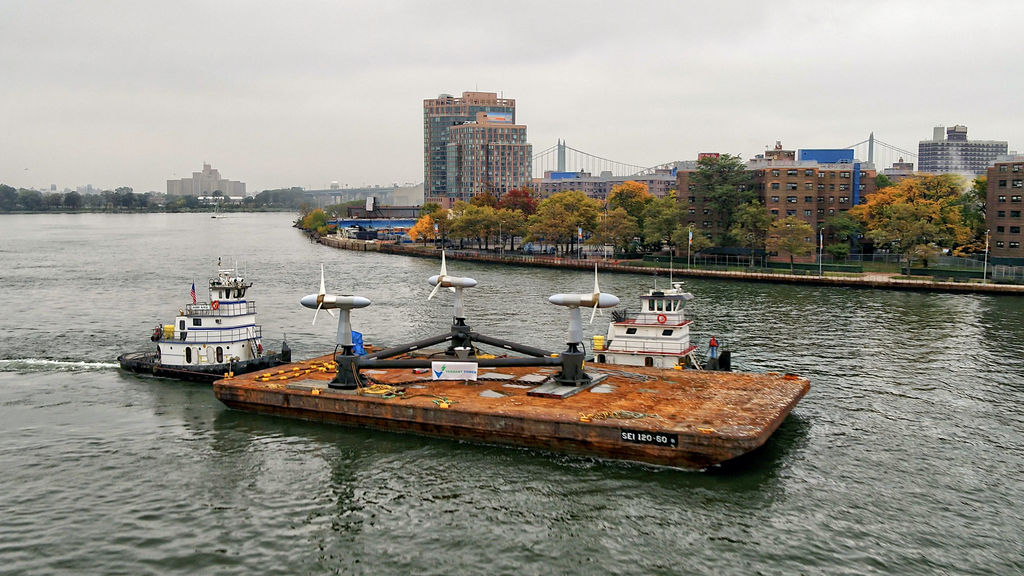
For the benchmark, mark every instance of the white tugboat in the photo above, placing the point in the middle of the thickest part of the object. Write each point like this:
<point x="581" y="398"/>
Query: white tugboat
<point x="209" y="339"/>
<point x="658" y="336"/>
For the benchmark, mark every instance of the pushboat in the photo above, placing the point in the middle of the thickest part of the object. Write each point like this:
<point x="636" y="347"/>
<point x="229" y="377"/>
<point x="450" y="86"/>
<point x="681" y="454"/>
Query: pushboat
<point x="657" y="336"/>
<point x="468" y="386"/>
<point x="209" y="340"/>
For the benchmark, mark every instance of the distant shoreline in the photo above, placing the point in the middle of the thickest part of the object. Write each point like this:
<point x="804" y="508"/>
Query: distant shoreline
<point x="865" y="280"/>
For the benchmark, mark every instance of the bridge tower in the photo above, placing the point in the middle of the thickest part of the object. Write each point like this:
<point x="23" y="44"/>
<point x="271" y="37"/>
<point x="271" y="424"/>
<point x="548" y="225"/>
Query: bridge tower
<point x="561" y="155"/>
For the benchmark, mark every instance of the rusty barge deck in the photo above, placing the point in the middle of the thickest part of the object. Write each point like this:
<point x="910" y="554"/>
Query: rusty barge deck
<point x="678" y="418"/>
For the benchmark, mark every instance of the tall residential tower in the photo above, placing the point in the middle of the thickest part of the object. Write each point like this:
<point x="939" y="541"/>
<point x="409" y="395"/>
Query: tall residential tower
<point x="952" y="152"/>
<point x="472" y="145"/>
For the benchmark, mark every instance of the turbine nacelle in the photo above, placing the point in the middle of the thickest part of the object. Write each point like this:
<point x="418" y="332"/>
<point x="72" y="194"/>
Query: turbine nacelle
<point x="330" y="301"/>
<point x="451" y="281"/>
<point x="599" y="300"/>
<point x="594" y="300"/>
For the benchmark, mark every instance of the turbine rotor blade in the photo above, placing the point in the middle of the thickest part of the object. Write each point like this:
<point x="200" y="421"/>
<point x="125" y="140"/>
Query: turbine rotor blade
<point x="323" y="290"/>
<point x="594" y="311"/>
<point x="434" y="291"/>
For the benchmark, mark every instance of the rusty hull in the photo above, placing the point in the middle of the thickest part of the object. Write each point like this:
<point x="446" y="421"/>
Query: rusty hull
<point x="678" y="418"/>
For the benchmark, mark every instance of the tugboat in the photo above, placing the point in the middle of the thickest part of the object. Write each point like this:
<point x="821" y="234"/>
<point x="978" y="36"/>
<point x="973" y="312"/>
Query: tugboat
<point x="209" y="340"/>
<point x="658" y="336"/>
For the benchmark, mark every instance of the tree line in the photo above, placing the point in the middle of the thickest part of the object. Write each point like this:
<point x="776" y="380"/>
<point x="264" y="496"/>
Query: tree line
<point x="918" y="218"/>
<point x="125" y="199"/>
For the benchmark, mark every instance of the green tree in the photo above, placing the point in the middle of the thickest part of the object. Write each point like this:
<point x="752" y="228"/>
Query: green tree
<point x="631" y="196"/>
<point x="662" y="218"/>
<point x="726" y="184"/>
<point x="792" y="236"/>
<point x="429" y="208"/>
<point x="682" y="238"/>
<point x="30" y="200"/>
<point x="615" y="228"/>
<point x="843" y="227"/>
<point x="750" y="225"/>
<point x="511" y="223"/>
<point x="72" y="200"/>
<point x="8" y="198"/>
<point x="559" y="215"/>
<point x="973" y="205"/>
<point x="882" y="181"/>
<point x="838" y="250"/>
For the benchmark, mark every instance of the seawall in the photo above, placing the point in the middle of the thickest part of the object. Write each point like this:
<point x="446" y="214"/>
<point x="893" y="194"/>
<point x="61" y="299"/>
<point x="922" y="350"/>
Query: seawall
<point x="866" y="280"/>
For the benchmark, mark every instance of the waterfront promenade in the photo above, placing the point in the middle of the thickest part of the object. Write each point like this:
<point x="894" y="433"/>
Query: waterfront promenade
<point x="863" y="280"/>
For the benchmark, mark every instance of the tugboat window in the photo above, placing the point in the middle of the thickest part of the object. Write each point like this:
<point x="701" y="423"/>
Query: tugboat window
<point x="630" y="330"/>
<point x="666" y="332"/>
<point x="648" y="361"/>
<point x="181" y="325"/>
<point x="188" y="355"/>
<point x="220" y="355"/>
<point x="197" y="321"/>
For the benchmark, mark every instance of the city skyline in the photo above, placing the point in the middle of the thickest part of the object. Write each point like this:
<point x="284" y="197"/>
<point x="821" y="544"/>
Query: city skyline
<point x="122" y="94"/>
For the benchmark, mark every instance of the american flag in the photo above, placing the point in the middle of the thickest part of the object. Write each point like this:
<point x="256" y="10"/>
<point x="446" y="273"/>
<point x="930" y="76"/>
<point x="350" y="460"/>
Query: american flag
<point x="193" y="292"/>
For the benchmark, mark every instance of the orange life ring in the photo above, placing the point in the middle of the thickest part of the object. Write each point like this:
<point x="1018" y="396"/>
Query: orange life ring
<point x="662" y="318"/>
<point x="215" y="304"/>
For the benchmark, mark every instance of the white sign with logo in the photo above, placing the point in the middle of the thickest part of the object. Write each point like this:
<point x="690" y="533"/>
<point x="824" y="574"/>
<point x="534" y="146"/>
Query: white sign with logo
<point x="453" y="370"/>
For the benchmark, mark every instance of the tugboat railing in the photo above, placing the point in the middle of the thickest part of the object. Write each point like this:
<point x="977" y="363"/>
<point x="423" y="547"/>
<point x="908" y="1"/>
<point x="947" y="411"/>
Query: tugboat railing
<point x="215" y="336"/>
<point x="232" y="309"/>
<point x="623" y="345"/>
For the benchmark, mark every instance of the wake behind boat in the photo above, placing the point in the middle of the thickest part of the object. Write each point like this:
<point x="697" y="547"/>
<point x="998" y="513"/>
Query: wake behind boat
<point x="211" y="339"/>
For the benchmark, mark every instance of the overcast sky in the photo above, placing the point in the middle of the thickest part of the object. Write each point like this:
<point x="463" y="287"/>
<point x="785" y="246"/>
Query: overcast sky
<point x="276" y="94"/>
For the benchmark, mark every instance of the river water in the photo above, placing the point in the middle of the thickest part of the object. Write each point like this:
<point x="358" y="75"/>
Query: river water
<point x="905" y="457"/>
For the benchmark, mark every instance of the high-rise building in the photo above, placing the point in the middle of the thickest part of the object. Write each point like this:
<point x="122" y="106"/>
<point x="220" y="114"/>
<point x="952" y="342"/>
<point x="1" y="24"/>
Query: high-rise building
<point x="205" y="183"/>
<point x="489" y="154"/>
<point x="1003" y="210"/>
<point x="446" y="111"/>
<point x="952" y="152"/>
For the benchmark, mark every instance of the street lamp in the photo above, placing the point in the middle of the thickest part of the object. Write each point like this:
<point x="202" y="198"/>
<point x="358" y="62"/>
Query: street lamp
<point x="689" y="242"/>
<point x="821" y="245"/>
<point x="984" y="271"/>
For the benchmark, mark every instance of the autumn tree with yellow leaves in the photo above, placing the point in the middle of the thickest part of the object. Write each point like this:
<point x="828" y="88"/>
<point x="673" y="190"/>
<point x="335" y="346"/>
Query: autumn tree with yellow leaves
<point x="918" y="216"/>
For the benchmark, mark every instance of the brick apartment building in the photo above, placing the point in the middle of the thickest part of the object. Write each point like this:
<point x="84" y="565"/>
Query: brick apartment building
<point x="812" y="185"/>
<point x="1003" y="210"/>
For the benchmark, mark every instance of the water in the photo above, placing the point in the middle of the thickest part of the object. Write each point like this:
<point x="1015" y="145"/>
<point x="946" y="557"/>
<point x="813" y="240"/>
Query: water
<point x="904" y="458"/>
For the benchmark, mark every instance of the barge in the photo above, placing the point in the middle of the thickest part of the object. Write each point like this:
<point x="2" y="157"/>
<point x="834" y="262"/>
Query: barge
<point x="677" y="417"/>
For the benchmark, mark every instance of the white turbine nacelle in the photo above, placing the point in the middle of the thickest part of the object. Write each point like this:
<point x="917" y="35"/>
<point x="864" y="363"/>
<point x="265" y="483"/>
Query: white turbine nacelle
<point x="594" y="300"/>
<point x="451" y="281"/>
<point x="599" y="300"/>
<point x="330" y="301"/>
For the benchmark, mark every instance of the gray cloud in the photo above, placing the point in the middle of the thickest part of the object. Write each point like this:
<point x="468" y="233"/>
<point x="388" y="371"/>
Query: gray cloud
<point x="280" y="94"/>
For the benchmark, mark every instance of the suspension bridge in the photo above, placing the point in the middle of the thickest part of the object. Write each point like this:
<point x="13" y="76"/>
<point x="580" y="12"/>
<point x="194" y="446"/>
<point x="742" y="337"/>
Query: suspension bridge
<point x="564" y="158"/>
